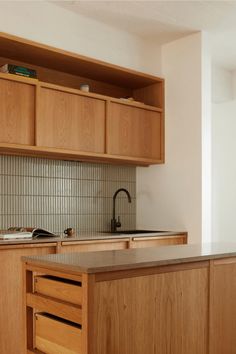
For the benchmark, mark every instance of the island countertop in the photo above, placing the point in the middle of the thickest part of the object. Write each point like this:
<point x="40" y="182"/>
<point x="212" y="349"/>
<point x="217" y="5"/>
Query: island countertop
<point x="107" y="261"/>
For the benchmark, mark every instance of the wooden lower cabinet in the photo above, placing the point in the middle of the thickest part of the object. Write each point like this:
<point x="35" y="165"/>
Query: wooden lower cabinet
<point x="11" y="317"/>
<point x="223" y="307"/>
<point x="120" y="244"/>
<point x="12" y="326"/>
<point x="96" y="245"/>
<point x="140" y="242"/>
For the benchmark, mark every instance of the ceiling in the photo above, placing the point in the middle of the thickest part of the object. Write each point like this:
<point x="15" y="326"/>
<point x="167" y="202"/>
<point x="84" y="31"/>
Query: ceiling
<point x="164" y="21"/>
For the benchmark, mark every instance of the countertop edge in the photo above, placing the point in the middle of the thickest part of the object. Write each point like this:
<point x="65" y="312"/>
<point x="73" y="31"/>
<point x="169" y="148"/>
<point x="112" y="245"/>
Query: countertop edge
<point x="87" y="238"/>
<point x="76" y="269"/>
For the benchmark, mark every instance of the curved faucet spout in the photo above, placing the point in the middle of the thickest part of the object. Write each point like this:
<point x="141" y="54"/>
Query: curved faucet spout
<point x="114" y="222"/>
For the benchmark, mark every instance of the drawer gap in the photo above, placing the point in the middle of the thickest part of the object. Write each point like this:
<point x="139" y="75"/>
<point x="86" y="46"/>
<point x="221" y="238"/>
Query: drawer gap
<point x="59" y="319"/>
<point x="62" y="280"/>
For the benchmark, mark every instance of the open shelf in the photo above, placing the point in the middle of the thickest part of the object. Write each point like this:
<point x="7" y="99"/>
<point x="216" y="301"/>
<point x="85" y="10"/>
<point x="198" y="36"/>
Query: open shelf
<point x="68" y="69"/>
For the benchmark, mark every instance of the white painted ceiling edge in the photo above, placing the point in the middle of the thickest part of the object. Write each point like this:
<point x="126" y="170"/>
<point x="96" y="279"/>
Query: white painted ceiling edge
<point x="165" y="21"/>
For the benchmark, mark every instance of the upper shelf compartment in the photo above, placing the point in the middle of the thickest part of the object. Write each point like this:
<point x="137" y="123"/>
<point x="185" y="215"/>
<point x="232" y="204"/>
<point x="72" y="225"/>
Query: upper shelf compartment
<point x="68" y="69"/>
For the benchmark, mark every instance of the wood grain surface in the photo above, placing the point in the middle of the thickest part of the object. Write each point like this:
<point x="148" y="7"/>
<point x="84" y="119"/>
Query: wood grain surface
<point x="223" y="307"/>
<point x="70" y="121"/>
<point x="17" y="112"/>
<point x="12" y="326"/>
<point x="133" y="131"/>
<point x="162" y="313"/>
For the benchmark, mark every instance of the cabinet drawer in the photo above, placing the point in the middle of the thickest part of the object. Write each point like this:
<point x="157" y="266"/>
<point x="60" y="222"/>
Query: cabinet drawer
<point x="54" y="336"/>
<point x="140" y="242"/>
<point x="59" y="288"/>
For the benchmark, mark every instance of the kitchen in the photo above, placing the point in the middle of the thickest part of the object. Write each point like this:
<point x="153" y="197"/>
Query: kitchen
<point x="179" y="210"/>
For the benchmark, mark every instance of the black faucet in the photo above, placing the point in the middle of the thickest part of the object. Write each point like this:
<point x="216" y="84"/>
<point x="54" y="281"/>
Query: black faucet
<point x="116" y="223"/>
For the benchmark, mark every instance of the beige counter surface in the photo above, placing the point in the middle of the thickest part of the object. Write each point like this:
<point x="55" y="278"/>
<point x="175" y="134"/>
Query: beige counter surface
<point x="106" y="261"/>
<point x="90" y="236"/>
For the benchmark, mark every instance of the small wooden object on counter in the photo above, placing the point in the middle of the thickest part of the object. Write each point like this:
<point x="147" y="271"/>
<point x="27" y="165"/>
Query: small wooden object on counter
<point x="69" y="232"/>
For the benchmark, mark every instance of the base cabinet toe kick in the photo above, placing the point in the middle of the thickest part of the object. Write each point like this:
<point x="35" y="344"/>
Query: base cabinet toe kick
<point x="179" y="308"/>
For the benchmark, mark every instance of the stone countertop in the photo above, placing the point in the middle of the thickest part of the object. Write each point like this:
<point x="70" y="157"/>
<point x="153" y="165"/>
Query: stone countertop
<point x="106" y="261"/>
<point x="91" y="236"/>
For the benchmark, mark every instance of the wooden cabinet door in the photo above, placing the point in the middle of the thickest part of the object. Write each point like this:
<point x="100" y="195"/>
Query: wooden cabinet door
<point x="134" y="132"/>
<point x="17" y="112"/>
<point x="68" y="120"/>
<point x="12" y="333"/>
<point x="223" y="307"/>
<point x="163" y="313"/>
<point x="96" y="245"/>
<point x="140" y="242"/>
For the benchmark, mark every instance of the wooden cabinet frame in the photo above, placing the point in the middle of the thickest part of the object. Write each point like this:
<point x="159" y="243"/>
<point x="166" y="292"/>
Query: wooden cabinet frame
<point x="66" y="71"/>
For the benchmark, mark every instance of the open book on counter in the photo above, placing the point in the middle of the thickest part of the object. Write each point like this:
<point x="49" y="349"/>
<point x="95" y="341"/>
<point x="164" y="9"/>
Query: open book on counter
<point x="24" y="232"/>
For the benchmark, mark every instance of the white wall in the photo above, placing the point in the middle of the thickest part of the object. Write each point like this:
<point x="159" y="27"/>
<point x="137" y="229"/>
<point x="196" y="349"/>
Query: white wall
<point x="223" y="155"/>
<point x="222" y="84"/>
<point x="206" y="130"/>
<point x="50" y="24"/>
<point x="170" y="196"/>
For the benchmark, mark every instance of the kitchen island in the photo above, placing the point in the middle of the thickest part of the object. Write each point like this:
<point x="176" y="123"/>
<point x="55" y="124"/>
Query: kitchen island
<point x="11" y="251"/>
<point x="166" y="300"/>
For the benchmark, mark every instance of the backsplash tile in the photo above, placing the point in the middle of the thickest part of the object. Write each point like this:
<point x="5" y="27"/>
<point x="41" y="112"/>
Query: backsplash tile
<point x="56" y="194"/>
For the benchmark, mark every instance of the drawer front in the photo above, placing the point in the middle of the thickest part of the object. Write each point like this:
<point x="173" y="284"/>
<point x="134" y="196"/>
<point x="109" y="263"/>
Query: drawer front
<point x="141" y="242"/>
<point x="58" y="288"/>
<point x="53" y="336"/>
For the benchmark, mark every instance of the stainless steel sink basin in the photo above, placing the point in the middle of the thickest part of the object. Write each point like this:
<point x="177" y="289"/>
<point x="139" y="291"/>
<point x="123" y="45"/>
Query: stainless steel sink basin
<point x="135" y="232"/>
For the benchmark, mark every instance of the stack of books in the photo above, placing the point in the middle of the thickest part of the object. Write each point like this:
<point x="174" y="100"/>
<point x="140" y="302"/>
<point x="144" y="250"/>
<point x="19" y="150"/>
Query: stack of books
<point x="18" y="70"/>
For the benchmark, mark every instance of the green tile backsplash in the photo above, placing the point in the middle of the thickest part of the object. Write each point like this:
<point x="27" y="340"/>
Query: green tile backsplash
<point x="57" y="194"/>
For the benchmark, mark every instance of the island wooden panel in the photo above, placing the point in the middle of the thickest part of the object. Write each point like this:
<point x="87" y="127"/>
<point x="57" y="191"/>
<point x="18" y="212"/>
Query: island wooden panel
<point x="70" y="121"/>
<point x="161" y="313"/>
<point x="12" y="333"/>
<point x="223" y="307"/>
<point x="133" y="131"/>
<point x="17" y="112"/>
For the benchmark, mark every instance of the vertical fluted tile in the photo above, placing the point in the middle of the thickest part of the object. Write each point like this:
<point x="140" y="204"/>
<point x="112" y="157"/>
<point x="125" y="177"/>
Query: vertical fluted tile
<point x="57" y="194"/>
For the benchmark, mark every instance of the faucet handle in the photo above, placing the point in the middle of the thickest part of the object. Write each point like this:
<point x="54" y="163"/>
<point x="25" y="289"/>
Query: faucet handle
<point x="118" y="223"/>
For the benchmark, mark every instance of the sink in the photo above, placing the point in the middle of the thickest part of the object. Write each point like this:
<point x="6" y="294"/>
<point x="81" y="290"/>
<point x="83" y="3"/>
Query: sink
<point x="135" y="232"/>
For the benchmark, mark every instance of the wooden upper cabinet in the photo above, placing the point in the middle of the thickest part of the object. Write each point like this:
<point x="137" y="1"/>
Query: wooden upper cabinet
<point x="133" y="131"/>
<point x="51" y="117"/>
<point x="69" y="120"/>
<point x="17" y="112"/>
